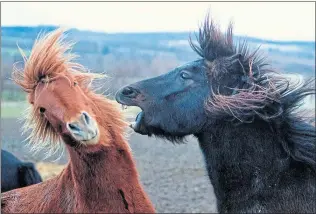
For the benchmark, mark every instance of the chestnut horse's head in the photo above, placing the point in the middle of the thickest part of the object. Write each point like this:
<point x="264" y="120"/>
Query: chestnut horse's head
<point x="63" y="107"/>
<point x="60" y="103"/>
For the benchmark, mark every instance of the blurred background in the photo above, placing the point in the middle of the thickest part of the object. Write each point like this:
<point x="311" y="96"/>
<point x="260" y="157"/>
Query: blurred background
<point x="135" y="40"/>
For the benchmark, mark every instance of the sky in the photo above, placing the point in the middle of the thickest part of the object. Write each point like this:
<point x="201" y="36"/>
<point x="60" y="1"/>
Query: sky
<point x="267" y="20"/>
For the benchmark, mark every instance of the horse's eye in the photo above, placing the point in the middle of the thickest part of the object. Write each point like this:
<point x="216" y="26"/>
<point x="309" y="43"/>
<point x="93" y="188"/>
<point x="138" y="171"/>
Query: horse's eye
<point x="44" y="79"/>
<point x="41" y="78"/>
<point x="42" y="110"/>
<point x="185" y="75"/>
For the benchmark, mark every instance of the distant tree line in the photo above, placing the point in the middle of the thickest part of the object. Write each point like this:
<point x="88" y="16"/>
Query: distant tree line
<point x="126" y="58"/>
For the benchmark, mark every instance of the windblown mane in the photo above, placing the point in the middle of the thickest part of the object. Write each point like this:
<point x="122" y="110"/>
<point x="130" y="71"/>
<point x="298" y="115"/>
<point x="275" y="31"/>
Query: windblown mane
<point x="50" y="56"/>
<point x="260" y="93"/>
<point x="212" y="43"/>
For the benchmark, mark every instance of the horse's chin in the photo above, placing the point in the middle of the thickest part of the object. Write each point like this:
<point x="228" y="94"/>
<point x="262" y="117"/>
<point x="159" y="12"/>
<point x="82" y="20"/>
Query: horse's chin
<point x="139" y="125"/>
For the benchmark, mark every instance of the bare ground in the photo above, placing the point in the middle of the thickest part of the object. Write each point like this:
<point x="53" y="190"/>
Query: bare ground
<point x="173" y="175"/>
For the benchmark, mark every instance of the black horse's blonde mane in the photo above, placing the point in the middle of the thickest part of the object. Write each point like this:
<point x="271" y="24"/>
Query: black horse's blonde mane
<point x="257" y="92"/>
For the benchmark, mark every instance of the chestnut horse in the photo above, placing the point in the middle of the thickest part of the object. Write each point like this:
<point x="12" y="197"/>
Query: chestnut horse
<point x="101" y="175"/>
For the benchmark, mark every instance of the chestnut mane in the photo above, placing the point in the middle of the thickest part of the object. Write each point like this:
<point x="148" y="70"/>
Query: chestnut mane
<point x="100" y="177"/>
<point x="51" y="57"/>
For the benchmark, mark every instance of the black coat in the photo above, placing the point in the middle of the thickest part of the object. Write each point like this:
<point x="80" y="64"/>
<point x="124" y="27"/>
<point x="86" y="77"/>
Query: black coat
<point x="15" y="173"/>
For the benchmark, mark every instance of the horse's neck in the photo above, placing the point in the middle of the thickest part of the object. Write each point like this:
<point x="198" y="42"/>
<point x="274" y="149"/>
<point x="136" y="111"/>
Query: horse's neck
<point x="101" y="174"/>
<point x="242" y="160"/>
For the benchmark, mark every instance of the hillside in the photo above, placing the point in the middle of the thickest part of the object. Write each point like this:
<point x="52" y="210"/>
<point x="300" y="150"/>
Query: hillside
<point x="128" y="57"/>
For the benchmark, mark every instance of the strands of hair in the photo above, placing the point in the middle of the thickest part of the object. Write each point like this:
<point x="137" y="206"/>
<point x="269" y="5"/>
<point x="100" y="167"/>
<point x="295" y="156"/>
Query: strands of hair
<point x="261" y="92"/>
<point x="63" y="103"/>
<point x="259" y="151"/>
<point x="212" y="43"/>
<point x="50" y="56"/>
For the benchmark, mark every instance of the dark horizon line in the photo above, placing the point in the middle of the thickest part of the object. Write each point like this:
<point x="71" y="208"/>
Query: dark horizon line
<point x="258" y="39"/>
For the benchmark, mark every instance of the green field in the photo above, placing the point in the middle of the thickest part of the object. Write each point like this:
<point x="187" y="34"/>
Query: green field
<point x="13" y="96"/>
<point x="12" y="109"/>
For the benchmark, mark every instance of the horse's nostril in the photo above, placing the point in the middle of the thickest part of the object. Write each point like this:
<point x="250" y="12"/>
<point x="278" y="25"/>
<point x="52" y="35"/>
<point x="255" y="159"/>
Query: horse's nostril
<point x="128" y="91"/>
<point x="73" y="127"/>
<point x="86" y="117"/>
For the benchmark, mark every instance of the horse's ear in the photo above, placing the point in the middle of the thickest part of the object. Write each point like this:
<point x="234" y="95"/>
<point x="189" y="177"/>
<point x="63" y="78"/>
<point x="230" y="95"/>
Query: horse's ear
<point x="84" y="81"/>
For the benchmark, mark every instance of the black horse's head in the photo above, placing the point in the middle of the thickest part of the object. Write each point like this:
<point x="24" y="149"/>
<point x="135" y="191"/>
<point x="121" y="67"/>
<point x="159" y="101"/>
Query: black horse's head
<point x="171" y="103"/>
<point x="227" y="83"/>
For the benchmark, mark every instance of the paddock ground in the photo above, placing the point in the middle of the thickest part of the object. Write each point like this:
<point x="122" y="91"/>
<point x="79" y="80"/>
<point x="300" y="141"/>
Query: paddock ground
<point x="172" y="175"/>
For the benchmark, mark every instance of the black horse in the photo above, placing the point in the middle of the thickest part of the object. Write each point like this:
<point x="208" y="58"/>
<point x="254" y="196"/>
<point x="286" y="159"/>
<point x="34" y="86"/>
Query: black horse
<point x="260" y="152"/>
<point x="15" y="173"/>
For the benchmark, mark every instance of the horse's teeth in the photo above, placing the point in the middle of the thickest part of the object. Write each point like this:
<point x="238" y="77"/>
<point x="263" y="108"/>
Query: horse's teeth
<point x="132" y="125"/>
<point x="124" y="107"/>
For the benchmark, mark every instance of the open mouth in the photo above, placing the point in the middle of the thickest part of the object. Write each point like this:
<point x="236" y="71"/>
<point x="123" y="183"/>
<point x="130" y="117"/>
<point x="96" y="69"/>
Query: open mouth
<point x="138" y="125"/>
<point x="96" y="134"/>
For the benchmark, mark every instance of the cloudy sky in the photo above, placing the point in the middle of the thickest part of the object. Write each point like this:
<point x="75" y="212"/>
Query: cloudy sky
<point x="270" y="20"/>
